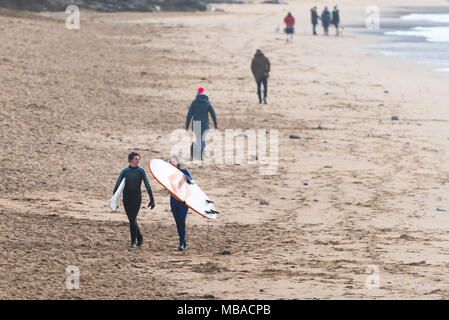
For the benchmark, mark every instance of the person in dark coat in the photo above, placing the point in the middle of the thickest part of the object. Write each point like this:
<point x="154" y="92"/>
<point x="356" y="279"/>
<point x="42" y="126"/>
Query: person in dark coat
<point x="260" y="66"/>
<point x="315" y="18"/>
<point x="199" y="110"/>
<point x="336" y="19"/>
<point x="326" y="20"/>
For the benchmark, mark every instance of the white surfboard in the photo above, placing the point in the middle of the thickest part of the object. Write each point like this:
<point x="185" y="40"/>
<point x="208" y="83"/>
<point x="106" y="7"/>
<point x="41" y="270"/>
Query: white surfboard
<point x="115" y="200"/>
<point x="174" y="181"/>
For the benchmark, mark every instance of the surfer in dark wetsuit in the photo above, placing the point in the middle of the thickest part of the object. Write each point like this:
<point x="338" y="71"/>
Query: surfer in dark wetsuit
<point x="132" y="196"/>
<point x="178" y="208"/>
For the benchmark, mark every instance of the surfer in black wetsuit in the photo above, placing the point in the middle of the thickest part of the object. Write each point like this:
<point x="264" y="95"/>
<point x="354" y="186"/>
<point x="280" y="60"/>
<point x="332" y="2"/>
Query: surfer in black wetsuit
<point x="132" y="196"/>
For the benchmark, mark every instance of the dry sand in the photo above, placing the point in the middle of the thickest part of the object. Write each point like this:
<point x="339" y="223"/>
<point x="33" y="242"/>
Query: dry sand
<point x="124" y="82"/>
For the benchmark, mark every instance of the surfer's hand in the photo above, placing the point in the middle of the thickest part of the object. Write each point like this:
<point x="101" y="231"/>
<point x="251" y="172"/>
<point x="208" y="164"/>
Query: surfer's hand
<point x="151" y="204"/>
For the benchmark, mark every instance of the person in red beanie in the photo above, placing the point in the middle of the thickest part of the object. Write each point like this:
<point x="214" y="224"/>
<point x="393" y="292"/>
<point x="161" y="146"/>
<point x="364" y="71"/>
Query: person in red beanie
<point x="199" y="110"/>
<point x="289" y="21"/>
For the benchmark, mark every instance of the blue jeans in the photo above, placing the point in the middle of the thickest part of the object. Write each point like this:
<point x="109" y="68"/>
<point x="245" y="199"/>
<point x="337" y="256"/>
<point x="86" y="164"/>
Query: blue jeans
<point x="265" y="88"/>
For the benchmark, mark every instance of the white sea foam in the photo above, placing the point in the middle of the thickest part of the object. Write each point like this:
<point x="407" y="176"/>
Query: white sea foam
<point x="427" y="17"/>
<point x="432" y="34"/>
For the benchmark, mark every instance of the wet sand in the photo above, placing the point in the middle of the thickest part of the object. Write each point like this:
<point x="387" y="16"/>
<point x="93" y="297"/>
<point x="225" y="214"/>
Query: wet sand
<point x="357" y="189"/>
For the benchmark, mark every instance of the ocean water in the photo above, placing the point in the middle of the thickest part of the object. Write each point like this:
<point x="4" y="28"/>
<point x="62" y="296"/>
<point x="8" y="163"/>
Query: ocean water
<point x="422" y="37"/>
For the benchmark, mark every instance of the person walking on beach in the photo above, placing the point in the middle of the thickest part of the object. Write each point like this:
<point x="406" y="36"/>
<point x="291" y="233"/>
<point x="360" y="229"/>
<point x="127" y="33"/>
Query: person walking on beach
<point x="336" y="19"/>
<point x="315" y="18"/>
<point x="199" y="111"/>
<point x="178" y="208"/>
<point x="260" y="66"/>
<point x="326" y="20"/>
<point x="132" y="196"/>
<point x="289" y="21"/>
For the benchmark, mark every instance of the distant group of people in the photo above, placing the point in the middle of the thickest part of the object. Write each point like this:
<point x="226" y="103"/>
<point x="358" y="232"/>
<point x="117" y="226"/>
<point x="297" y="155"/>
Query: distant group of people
<point x="327" y="18"/>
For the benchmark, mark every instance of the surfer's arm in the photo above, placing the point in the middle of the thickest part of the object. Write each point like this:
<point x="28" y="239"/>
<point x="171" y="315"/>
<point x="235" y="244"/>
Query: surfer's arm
<point x="188" y="177"/>
<point x="119" y="180"/>
<point x="147" y="184"/>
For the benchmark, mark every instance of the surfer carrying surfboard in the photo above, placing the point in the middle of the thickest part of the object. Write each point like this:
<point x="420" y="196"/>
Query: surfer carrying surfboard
<point x="178" y="208"/>
<point x="199" y="110"/>
<point x="132" y="195"/>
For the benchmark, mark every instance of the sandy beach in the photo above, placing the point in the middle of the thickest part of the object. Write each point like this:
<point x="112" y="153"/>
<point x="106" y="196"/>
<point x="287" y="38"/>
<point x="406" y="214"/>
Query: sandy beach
<point x="356" y="189"/>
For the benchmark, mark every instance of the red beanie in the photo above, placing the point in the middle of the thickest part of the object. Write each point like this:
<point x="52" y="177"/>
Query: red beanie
<point x="200" y="90"/>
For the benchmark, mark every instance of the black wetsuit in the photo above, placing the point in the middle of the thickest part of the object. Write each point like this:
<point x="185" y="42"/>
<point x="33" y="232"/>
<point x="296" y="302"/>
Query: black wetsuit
<point x="132" y="197"/>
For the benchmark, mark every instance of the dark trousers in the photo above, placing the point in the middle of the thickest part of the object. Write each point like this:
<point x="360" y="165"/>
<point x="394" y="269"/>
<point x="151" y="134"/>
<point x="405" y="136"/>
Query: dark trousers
<point x="132" y="207"/>
<point x="265" y="88"/>
<point x="326" y="29"/>
<point x="314" y="28"/>
<point x="179" y="211"/>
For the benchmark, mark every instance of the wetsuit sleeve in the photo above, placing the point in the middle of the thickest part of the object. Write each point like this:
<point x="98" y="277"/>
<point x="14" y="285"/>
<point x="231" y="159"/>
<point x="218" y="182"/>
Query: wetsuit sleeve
<point x="212" y="113"/>
<point x="189" y="116"/>
<point x="147" y="183"/>
<point x="187" y="173"/>
<point x="119" y="180"/>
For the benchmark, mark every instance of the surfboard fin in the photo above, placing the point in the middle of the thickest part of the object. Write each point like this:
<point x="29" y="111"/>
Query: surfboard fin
<point x="209" y="201"/>
<point x="212" y="212"/>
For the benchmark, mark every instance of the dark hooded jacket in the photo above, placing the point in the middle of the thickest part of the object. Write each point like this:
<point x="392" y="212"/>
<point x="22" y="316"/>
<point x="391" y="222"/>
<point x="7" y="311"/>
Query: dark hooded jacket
<point x="326" y="18"/>
<point x="314" y="15"/>
<point x="259" y="65"/>
<point x="336" y="16"/>
<point x="199" y="110"/>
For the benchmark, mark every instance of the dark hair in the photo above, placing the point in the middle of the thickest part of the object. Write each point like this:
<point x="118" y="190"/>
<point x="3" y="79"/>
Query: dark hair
<point x="132" y="155"/>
